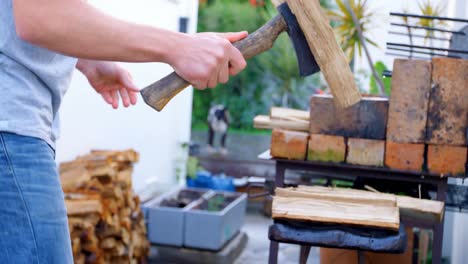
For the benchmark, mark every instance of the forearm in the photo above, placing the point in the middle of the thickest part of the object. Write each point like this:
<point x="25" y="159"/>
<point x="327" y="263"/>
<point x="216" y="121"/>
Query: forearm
<point x="75" y="28"/>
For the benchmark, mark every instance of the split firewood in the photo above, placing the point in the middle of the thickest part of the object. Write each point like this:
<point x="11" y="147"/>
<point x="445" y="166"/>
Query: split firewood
<point x="336" y="212"/>
<point x="337" y="194"/>
<point x="105" y="221"/>
<point x="289" y="114"/>
<point x="265" y="122"/>
<point x="350" y="206"/>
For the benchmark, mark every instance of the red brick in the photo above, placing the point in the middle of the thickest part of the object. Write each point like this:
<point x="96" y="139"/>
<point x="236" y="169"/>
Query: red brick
<point x="404" y="156"/>
<point x="446" y="160"/>
<point x="326" y="148"/>
<point x="288" y="144"/>
<point x="447" y="121"/>
<point x="409" y="101"/>
<point x="365" y="152"/>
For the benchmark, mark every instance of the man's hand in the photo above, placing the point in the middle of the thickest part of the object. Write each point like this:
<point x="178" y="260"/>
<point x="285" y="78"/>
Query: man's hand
<point x="206" y="59"/>
<point x="110" y="80"/>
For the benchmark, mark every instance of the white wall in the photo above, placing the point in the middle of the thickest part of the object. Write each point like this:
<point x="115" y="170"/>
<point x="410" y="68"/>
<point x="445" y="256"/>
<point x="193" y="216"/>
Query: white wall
<point x="88" y="123"/>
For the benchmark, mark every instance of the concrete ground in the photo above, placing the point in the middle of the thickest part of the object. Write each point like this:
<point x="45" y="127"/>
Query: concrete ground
<point x="257" y="249"/>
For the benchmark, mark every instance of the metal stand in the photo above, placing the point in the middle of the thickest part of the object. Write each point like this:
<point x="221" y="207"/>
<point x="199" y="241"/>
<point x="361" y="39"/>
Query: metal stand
<point x="346" y="170"/>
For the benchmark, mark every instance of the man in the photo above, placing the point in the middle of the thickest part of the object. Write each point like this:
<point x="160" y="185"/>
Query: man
<point x="41" y="42"/>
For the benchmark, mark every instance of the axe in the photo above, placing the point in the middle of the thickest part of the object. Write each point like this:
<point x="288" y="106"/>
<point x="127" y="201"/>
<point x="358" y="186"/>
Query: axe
<point x="158" y="94"/>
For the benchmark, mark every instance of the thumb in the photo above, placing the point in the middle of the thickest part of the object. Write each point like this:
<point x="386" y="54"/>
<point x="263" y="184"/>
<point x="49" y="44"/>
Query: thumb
<point x="233" y="36"/>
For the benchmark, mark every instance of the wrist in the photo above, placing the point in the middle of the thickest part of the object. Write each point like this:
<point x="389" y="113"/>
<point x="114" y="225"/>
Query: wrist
<point x="87" y="67"/>
<point x="175" y="48"/>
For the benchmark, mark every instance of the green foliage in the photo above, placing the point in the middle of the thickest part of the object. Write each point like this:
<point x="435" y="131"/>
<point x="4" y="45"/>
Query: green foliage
<point x="243" y="93"/>
<point x="269" y="79"/>
<point x="428" y="8"/>
<point x="346" y="28"/>
<point x="380" y="67"/>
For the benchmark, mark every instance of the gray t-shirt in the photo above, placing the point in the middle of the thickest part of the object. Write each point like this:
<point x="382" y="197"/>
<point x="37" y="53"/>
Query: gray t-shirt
<point x="33" y="81"/>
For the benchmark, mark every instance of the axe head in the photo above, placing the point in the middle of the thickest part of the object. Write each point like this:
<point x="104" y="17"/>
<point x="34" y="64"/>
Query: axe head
<point x="306" y="60"/>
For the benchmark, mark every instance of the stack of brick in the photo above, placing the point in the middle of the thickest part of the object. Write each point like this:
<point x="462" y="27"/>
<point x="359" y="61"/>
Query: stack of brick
<point x="104" y="216"/>
<point x="423" y="127"/>
<point x="428" y="117"/>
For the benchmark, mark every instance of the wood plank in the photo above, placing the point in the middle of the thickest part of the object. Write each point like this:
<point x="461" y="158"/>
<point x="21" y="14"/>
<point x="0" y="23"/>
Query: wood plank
<point x="447" y="121"/>
<point x="409" y="207"/>
<point x="367" y="119"/>
<point x="289" y="144"/>
<point x="318" y="210"/>
<point x="289" y="114"/>
<point x="337" y="194"/>
<point x="409" y="101"/>
<point x="327" y="52"/>
<point x="421" y="208"/>
<point x="265" y="122"/>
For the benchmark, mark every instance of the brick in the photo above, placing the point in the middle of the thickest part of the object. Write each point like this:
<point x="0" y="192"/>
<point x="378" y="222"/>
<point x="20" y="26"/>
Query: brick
<point x="365" y="152"/>
<point x="447" y="121"/>
<point x="446" y="160"/>
<point x="288" y="144"/>
<point x="409" y="101"/>
<point x="326" y="148"/>
<point x="404" y="156"/>
<point x="366" y="119"/>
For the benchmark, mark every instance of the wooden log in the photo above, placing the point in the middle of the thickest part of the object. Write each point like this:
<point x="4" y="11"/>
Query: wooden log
<point x="289" y="144"/>
<point x="72" y="179"/>
<point x="327" y="52"/>
<point x="338" y="212"/>
<point x="265" y="122"/>
<point x="421" y="208"/>
<point x="289" y="114"/>
<point x="409" y="101"/>
<point x="337" y="194"/>
<point x="326" y="148"/>
<point x="448" y="106"/>
<point x="365" y="152"/>
<point x="125" y="177"/>
<point x="367" y="119"/>
<point x="83" y="207"/>
<point x="446" y="160"/>
<point x="403" y="156"/>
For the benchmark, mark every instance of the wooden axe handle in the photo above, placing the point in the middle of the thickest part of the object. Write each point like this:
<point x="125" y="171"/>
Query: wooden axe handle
<point x="158" y="94"/>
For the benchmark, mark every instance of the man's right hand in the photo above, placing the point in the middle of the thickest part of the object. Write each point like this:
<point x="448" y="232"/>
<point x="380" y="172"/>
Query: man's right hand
<point x="206" y="59"/>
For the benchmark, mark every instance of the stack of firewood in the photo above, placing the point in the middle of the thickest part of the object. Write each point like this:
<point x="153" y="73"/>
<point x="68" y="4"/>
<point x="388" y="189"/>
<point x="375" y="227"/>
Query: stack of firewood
<point x="105" y="220"/>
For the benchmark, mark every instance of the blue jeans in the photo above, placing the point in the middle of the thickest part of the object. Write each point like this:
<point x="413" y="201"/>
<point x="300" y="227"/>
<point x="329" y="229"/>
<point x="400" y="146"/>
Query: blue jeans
<point x="33" y="218"/>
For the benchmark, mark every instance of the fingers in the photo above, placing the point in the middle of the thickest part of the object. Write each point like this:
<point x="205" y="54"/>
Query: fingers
<point x="236" y="62"/>
<point x="125" y="97"/>
<point x="107" y="97"/>
<point x="200" y="85"/>
<point x="133" y="97"/>
<point x="127" y="81"/>
<point x="115" y="99"/>
<point x="223" y="76"/>
<point x="234" y="36"/>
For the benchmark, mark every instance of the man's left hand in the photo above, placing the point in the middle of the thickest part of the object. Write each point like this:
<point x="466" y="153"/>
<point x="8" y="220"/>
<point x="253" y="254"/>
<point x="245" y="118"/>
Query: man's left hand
<point x="110" y="80"/>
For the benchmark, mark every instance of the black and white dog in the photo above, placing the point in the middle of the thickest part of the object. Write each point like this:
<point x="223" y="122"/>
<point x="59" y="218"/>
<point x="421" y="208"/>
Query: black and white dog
<point x="218" y="122"/>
